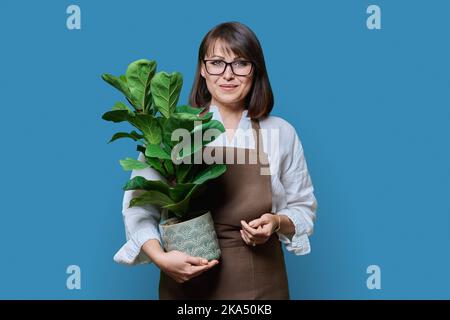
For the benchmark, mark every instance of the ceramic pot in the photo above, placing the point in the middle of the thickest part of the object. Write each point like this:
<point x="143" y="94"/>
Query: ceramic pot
<point x="196" y="237"/>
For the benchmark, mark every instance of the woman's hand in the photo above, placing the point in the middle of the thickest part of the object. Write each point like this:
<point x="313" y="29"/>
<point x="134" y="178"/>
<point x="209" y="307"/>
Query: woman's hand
<point x="258" y="231"/>
<point x="178" y="265"/>
<point x="182" y="267"/>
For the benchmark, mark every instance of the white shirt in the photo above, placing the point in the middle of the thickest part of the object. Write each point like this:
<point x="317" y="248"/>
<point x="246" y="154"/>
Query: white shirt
<point x="292" y="189"/>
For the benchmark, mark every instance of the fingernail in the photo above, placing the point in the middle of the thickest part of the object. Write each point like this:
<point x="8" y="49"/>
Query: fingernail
<point x="205" y="261"/>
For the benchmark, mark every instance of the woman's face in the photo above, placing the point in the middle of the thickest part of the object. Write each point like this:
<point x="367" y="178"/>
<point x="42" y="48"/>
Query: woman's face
<point x="226" y="88"/>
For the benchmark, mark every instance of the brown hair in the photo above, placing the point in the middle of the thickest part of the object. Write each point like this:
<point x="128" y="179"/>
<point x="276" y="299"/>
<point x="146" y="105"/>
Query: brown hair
<point x="242" y="42"/>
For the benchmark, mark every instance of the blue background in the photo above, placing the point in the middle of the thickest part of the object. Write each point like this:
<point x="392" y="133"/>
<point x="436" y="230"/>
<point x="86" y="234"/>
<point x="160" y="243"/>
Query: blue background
<point x="371" y="108"/>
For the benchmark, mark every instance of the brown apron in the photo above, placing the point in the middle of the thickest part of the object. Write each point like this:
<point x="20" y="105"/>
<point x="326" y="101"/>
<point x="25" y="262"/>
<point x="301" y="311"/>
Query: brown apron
<point x="243" y="272"/>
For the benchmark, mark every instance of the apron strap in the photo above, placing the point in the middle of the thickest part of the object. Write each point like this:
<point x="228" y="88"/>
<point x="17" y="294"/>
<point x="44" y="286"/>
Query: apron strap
<point x="258" y="139"/>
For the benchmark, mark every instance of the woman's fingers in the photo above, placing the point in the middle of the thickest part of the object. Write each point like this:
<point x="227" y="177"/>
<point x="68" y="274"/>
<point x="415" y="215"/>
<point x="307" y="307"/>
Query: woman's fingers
<point x="196" y="261"/>
<point x="249" y="236"/>
<point x="197" y="270"/>
<point x="250" y="230"/>
<point x="265" y="231"/>
<point x="255" y="223"/>
<point x="192" y="270"/>
<point x="245" y="238"/>
<point x="260" y="233"/>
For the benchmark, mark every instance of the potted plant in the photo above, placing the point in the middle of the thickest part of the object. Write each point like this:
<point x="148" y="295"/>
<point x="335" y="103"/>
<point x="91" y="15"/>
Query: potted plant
<point x="153" y="97"/>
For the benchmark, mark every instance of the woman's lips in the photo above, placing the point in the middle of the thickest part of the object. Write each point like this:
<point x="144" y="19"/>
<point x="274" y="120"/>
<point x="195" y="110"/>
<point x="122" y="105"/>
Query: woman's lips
<point x="228" y="87"/>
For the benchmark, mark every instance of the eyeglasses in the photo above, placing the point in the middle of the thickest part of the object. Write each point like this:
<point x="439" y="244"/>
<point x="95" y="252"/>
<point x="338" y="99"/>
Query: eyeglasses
<point x="239" y="67"/>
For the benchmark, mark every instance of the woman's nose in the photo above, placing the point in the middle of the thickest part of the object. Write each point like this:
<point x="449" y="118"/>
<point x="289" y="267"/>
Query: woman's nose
<point x="228" y="73"/>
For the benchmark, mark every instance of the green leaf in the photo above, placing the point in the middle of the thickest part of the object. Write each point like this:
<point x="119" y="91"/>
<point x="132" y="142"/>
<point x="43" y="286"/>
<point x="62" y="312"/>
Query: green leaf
<point x="165" y="90"/>
<point x="155" y="151"/>
<point x="153" y="109"/>
<point x="166" y="148"/>
<point x="151" y="197"/>
<point x="185" y="116"/>
<point x="121" y="106"/>
<point x="120" y="83"/>
<point x="180" y="121"/>
<point x="185" y="121"/>
<point x="176" y="193"/>
<point x="181" y="208"/>
<point x="210" y="172"/>
<point x="196" y="147"/>
<point x="188" y="109"/>
<point x="182" y="171"/>
<point x="149" y="126"/>
<point x="116" y="116"/>
<point x="133" y="135"/>
<point x="168" y="164"/>
<point x="172" y="124"/>
<point x="140" y="183"/>
<point x="133" y="164"/>
<point x="213" y="124"/>
<point x="180" y="191"/>
<point x="161" y="121"/>
<point x="117" y="83"/>
<point x="139" y="75"/>
<point x="156" y="164"/>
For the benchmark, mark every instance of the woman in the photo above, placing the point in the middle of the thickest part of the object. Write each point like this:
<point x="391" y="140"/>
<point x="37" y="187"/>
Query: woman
<point x="254" y="207"/>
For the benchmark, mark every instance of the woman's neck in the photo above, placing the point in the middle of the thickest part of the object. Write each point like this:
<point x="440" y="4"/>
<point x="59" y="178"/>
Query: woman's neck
<point x="229" y="112"/>
<point x="231" y="116"/>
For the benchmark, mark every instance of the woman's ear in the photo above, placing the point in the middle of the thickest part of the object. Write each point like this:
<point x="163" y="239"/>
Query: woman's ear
<point x="202" y="71"/>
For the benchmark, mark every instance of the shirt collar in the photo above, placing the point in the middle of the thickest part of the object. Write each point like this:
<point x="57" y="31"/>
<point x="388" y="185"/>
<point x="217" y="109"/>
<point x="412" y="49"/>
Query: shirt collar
<point x="243" y="123"/>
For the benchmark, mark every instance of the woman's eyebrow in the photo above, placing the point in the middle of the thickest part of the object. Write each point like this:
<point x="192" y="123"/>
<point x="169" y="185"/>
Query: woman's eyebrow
<point x="216" y="56"/>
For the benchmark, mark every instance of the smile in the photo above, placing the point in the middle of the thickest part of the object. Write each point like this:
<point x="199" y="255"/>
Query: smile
<point x="228" y="88"/>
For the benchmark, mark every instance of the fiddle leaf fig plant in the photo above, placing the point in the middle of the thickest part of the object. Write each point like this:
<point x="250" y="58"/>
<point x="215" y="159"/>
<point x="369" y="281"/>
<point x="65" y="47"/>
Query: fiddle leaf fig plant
<point x="154" y="113"/>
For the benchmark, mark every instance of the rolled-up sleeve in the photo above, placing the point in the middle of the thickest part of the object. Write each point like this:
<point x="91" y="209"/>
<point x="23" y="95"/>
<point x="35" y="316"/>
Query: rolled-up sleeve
<point x="301" y="204"/>
<point x="141" y="222"/>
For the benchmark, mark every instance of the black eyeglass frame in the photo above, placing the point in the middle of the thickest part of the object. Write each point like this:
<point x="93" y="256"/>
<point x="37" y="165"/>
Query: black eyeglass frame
<point x="231" y="66"/>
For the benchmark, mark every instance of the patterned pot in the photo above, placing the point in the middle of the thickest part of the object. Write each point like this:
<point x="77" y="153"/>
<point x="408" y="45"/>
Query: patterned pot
<point x="196" y="237"/>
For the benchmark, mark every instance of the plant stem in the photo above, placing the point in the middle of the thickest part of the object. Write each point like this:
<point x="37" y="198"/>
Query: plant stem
<point x="175" y="172"/>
